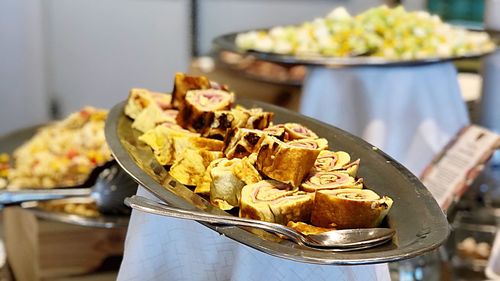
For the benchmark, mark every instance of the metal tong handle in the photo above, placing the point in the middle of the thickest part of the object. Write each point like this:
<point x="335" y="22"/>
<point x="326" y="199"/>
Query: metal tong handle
<point x="146" y="205"/>
<point x="19" y="196"/>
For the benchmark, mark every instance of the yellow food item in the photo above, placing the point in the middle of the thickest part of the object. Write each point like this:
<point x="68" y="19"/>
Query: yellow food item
<point x="391" y="33"/>
<point x="63" y="153"/>
<point x="191" y="165"/>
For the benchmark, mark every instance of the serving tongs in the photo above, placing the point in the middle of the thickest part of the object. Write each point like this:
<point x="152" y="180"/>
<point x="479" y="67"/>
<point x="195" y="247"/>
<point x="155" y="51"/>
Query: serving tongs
<point x="335" y="240"/>
<point x="108" y="185"/>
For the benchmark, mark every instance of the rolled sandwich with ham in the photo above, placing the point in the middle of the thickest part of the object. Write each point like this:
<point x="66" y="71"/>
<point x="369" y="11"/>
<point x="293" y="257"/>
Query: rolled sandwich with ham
<point x="197" y="114"/>
<point x="320" y="144"/>
<point x="190" y="165"/>
<point x="286" y="162"/>
<point x="257" y="118"/>
<point x="277" y="131"/>
<point x="153" y="116"/>
<point x="349" y="208"/>
<point x="242" y="168"/>
<point x="139" y="99"/>
<point x="238" y="117"/>
<point x="330" y="180"/>
<point x="298" y="131"/>
<point x="274" y="201"/>
<point x="336" y="161"/>
<point x="184" y="83"/>
<point x="241" y="142"/>
<point x="225" y="190"/>
<point x="168" y="141"/>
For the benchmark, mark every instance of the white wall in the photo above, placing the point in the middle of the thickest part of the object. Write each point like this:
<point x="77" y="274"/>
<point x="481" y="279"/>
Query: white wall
<point x="99" y="49"/>
<point x="22" y="86"/>
<point x="223" y="16"/>
<point x="91" y="52"/>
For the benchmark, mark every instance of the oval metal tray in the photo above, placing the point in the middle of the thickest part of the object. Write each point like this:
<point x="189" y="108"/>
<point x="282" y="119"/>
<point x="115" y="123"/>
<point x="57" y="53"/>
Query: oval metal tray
<point x="12" y="140"/>
<point x="227" y="42"/>
<point x="419" y="222"/>
<point x="102" y="221"/>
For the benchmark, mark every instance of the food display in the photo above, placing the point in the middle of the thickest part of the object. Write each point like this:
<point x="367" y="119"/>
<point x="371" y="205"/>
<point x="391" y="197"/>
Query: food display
<point x="239" y="160"/>
<point x="61" y="154"/>
<point x="390" y="33"/>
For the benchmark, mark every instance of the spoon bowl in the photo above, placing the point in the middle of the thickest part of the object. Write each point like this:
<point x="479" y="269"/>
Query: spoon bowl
<point x="336" y="240"/>
<point x="109" y="187"/>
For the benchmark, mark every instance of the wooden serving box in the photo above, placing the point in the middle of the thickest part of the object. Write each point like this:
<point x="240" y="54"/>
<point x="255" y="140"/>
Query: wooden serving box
<point x="39" y="249"/>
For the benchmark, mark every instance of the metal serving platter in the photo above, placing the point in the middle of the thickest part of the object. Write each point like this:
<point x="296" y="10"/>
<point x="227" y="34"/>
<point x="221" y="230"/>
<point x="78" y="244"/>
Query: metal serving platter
<point x="419" y="222"/>
<point x="9" y="142"/>
<point x="102" y="221"/>
<point x="227" y="42"/>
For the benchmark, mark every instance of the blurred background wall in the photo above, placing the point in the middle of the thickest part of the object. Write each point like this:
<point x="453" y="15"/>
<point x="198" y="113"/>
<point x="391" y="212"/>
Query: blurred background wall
<point x="57" y="56"/>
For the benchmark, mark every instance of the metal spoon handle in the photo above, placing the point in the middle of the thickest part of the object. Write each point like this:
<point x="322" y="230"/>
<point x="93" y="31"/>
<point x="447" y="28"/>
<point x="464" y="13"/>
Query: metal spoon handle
<point x="146" y="205"/>
<point x="19" y="196"/>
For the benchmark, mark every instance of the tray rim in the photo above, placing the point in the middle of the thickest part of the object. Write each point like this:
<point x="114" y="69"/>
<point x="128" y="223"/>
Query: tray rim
<point x="126" y="161"/>
<point x="226" y="42"/>
<point x="102" y="221"/>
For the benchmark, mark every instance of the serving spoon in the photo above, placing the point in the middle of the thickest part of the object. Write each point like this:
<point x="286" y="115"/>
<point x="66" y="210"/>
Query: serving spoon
<point x="108" y="186"/>
<point x="337" y="240"/>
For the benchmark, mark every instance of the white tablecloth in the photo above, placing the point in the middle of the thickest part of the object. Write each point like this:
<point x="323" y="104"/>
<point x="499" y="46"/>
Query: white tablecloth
<point x="161" y="248"/>
<point x="490" y="101"/>
<point x="408" y="112"/>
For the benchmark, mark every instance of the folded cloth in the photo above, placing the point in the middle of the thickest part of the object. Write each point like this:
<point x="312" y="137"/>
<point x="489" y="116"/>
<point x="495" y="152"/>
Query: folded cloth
<point x="409" y="112"/>
<point x="162" y="248"/>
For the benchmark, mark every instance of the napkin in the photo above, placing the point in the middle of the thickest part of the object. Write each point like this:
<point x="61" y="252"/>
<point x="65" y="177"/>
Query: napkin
<point x="162" y="248"/>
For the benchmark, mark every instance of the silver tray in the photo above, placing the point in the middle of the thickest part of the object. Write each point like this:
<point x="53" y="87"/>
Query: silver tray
<point x="102" y="221"/>
<point x="9" y="142"/>
<point x="419" y="222"/>
<point x="227" y="42"/>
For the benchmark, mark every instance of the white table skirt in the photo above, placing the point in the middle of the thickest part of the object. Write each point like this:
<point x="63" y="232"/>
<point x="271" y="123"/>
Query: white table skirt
<point x="490" y="101"/>
<point x="408" y="112"/>
<point x="161" y="248"/>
